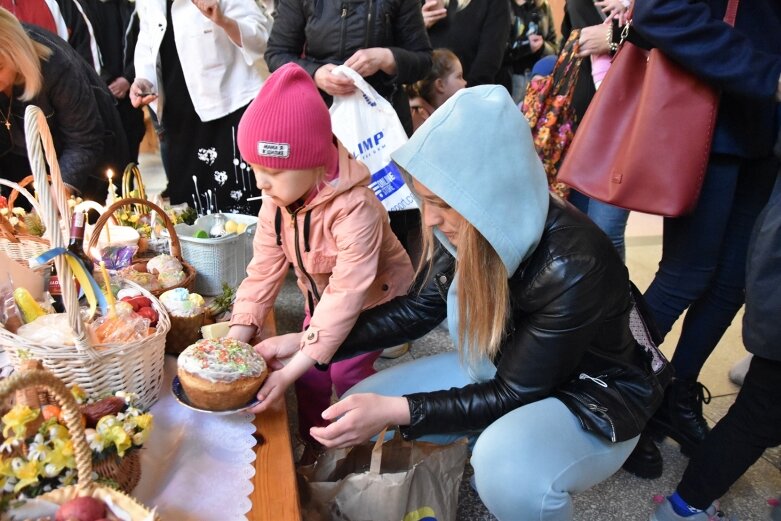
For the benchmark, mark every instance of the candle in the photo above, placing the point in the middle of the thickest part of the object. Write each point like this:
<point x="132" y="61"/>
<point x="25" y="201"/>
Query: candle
<point x="112" y="190"/>
<point x="109" y="295"/>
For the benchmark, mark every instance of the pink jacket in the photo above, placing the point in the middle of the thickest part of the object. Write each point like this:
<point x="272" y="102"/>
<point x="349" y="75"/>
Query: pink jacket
<point x="355" y="260"/>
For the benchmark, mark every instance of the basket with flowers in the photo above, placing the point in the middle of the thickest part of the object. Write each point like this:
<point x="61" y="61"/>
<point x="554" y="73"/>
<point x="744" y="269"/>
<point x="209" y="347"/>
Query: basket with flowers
<point x="37" y="455"/>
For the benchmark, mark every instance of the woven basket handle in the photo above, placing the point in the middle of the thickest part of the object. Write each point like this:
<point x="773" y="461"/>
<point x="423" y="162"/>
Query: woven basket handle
<point x="71" y="414"/>
<point x="176" y="248"/>
<point x="132" y="175"/>
<point x="19" y="188"/>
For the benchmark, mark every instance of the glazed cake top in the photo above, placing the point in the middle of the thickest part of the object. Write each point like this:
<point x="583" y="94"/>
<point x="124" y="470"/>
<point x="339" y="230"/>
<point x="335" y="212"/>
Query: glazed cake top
<point x="222" y="360"/>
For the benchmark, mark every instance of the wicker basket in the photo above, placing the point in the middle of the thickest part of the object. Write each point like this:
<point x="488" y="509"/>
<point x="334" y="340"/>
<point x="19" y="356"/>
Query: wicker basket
<point x="220" y="260"/>
<point x="99" y="369"/>
<point x="184" y="331"/>
<point x="20" y="247"/>
<point x="176" y="248"/>
<point x="84" y="486"/>
<point x="124" y="471"/>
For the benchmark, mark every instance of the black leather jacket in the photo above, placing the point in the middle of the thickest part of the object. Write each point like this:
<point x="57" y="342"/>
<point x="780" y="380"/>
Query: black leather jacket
<point x="568" y="337"/>
<point x="313" y="33"/>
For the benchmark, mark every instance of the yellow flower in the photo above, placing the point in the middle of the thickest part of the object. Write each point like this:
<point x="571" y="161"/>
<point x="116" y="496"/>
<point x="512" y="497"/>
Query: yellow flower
<point x="58" y="432"/>
<point x="5" y="468"/>
<point x="17" y="418"/>
<point x="27" y="472"/>
<point x="121" y="439"/>
<point x="144" y="421"/>
<point x="62" y="455"/>
<point x="134" y="218"/>
<point x="78" y="394"/>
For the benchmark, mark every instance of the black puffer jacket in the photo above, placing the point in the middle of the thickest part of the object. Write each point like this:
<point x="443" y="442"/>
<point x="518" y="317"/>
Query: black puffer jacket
<point x="82" y="117"/>
<point x="313" y="33"/>
<point x="569" y="337"/>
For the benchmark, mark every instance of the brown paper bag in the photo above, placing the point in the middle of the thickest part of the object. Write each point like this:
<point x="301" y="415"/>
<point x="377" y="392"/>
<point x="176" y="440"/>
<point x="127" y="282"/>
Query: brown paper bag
<point x="393" y="481"/>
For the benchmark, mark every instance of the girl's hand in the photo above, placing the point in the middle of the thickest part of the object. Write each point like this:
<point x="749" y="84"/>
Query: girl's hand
<point x="593" y="40"/>
<point x="277" y="350"/>
<point x="242" y="332"/>
<point x="273" y="389"/>
<point x="276" y="384"/>
<point x="368" y="61"/>
<point x="142" y="93"/>
<point x="536" y="42"/>
<point x="433" y="11"/>
<point x="359" y="417"/>
<point x="333" y="84"/>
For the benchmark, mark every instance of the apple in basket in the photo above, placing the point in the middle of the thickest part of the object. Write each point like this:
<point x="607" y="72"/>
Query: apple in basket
<point x="81" y="509"/>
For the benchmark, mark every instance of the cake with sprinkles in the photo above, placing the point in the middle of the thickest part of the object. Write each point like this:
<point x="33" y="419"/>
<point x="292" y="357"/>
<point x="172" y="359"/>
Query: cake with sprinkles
<point x="220" y="374"/>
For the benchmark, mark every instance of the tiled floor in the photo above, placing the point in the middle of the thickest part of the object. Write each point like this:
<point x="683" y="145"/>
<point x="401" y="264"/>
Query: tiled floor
<point x="623" y="497"/>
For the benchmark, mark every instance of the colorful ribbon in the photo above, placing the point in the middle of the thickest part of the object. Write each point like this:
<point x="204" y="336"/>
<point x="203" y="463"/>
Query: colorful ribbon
<point x="88" y="284"/>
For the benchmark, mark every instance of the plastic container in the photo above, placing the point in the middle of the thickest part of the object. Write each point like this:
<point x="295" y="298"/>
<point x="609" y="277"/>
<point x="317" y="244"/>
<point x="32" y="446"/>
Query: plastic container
<point x="219" y="260"/>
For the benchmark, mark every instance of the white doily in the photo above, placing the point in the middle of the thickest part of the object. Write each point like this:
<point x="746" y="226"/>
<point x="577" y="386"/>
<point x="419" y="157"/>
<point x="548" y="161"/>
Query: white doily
<point x="196" y="467"/>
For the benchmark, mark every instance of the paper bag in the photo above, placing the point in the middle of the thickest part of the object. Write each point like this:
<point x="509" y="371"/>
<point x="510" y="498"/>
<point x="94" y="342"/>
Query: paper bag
<point x="393" y="481"/>
<point x="366" y="124"/>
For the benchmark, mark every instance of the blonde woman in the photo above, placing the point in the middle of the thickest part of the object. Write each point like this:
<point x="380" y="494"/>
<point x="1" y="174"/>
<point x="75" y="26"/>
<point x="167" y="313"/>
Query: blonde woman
<point x="547" y="380"/>
<point x="477" y="31"/>
<point x="38" y="68"/>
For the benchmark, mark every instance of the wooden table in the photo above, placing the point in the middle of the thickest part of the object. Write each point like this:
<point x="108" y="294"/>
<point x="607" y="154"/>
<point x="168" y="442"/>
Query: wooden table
<point x="275" y="496"/>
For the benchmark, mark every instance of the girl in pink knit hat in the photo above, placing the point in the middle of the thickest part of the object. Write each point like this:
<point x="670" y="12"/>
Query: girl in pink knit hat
<point x="320" y="215"/>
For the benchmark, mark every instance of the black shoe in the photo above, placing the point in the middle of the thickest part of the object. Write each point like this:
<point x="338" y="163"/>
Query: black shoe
<point x="645" y="461"/>
<point x="680" y="415"/>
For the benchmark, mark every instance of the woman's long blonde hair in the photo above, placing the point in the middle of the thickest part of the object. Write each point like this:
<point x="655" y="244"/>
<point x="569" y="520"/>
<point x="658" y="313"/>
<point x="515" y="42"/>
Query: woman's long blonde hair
<point x="483" y="292"/>
<point x="24" y="53"/>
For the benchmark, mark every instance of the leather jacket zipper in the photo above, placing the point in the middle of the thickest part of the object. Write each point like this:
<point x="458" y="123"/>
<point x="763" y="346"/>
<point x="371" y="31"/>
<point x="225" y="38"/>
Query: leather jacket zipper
<point x="343" y="17"/>
<point x="596" y="409"/>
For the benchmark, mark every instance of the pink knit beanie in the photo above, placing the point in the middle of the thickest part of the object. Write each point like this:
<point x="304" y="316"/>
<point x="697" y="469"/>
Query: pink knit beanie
<point x="287" y="126"/>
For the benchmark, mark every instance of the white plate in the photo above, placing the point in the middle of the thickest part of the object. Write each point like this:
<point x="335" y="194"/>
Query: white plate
<point x="181" y="397"/>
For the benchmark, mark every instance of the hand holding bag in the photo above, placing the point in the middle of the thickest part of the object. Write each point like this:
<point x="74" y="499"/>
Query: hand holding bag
<point x="644" y="142"/>
<point x="367" y="125"/>
<point x="385" y="481"/>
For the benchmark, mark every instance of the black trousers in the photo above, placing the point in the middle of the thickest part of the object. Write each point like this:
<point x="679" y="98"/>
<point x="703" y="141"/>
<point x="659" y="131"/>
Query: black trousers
<point x="751" y="425"/>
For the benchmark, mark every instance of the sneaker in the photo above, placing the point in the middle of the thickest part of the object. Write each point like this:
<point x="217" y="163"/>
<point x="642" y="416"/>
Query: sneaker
<point x="665" y="512"/>
<point x="395" y="351"/>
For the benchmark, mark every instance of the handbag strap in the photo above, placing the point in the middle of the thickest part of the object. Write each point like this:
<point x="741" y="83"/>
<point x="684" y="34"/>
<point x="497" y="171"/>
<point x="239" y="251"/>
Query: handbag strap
<point x="376" y="461"/>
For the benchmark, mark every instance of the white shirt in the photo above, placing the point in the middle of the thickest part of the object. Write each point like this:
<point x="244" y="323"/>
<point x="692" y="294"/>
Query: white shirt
<point x="221" y="77"/>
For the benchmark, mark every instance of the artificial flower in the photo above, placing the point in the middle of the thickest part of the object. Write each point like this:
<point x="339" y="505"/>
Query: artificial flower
<point x="27" y="472"/>
<point x="17" y="419"/>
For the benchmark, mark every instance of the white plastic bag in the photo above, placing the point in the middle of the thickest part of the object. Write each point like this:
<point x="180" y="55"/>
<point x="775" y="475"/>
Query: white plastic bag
<point x="369" y="128"/>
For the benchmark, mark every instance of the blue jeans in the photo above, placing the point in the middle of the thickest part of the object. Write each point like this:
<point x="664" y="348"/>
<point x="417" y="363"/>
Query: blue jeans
<point x="610" y="219"/>
<point x="529" y="461"/>
<point x="703" y="266"/>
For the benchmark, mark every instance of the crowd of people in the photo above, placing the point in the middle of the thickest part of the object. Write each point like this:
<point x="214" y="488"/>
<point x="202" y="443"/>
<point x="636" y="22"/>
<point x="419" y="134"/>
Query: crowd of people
<point x="548" y="380"/>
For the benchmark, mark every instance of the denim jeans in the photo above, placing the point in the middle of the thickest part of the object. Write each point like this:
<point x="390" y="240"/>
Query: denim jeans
<point x="704" y="258"/>
<point x="610" y="219"/>
<point x="527" y="463"/>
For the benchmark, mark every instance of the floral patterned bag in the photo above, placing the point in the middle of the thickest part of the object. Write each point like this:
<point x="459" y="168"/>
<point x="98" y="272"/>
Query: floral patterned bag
<point x="547" y="106"/>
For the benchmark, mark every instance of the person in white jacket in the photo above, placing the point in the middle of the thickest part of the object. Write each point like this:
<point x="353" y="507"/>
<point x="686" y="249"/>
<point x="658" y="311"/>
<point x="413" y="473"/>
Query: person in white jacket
<point x="198" y="65"/>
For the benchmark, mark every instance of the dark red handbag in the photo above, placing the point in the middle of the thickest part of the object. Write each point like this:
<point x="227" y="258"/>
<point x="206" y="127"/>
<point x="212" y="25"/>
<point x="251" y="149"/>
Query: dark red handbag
<point x="645" y="139"/>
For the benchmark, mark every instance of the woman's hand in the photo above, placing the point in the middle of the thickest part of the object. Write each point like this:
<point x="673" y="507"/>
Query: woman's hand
<point x="368" y="61"/>
<point x="333" y="84"/>
<point x="433" y="11"/>
<point x="359" y="417"/>
<point x="278" y="350"/>
<point x="119" y="87"/>
<point x="210" y="9"/>
<point x="142" y="93"/>
<point x="614" y="9"/>
<point x="593" y="40"/>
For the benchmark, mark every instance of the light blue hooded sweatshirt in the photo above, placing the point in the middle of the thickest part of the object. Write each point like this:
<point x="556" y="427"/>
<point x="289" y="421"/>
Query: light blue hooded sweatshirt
<point x="476" y="153"/>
